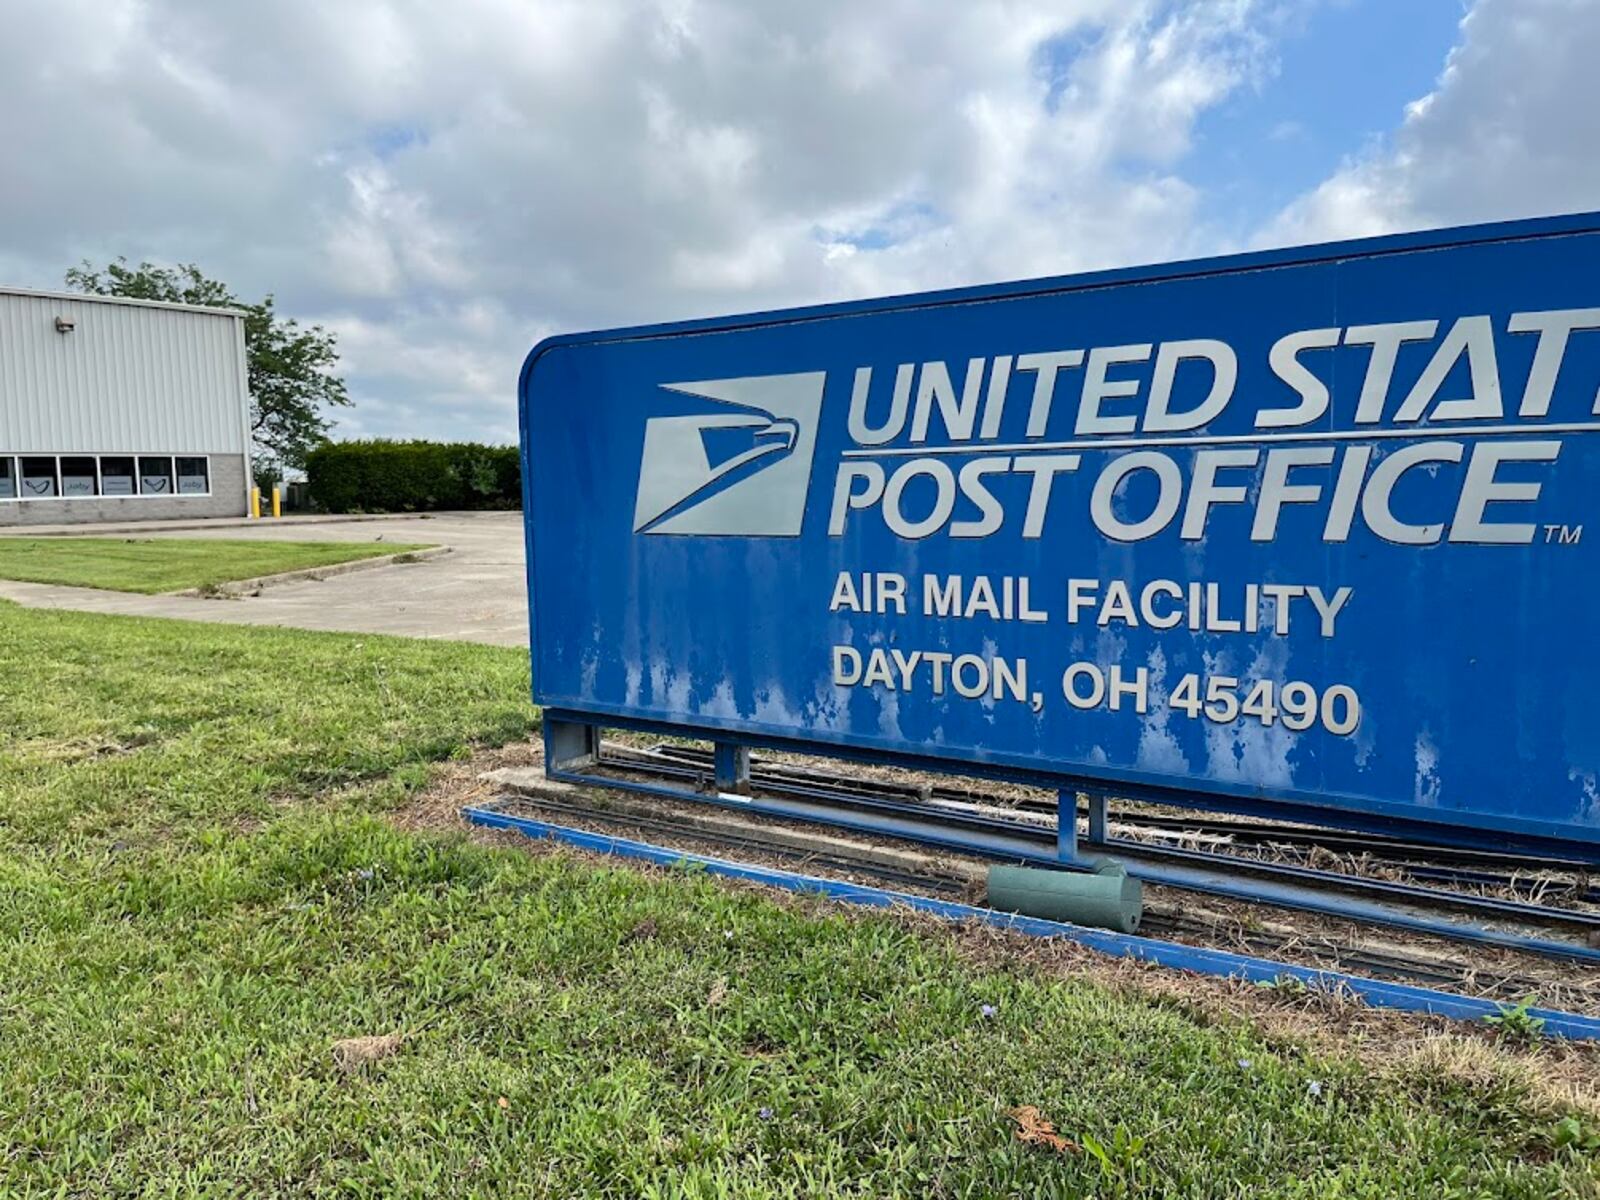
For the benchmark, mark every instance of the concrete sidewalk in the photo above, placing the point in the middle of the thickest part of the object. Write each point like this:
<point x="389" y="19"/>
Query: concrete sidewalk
<point x="477" y="593"/>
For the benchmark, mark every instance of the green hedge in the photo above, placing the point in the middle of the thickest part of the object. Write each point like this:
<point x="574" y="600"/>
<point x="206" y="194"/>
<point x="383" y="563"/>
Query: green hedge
<point x="384" y="476"/>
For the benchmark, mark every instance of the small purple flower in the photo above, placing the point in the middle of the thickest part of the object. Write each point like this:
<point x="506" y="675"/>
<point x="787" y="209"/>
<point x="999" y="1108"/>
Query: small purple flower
<point x="989" y="1011"/>
<point x="365" y="873"/>
<point x="1314" y="1088"/>
<point x="765" y="1113"/>
<point x="1244" y="1064"/>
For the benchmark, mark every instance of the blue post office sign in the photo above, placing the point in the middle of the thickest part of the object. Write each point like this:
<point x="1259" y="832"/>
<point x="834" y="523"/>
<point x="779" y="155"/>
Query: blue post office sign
<point x="1309" y="532"/>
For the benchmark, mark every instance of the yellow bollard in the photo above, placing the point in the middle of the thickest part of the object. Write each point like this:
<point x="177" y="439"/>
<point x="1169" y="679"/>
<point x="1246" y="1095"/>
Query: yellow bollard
<point x="255" y="503"/>
<point x="277" y="503"/>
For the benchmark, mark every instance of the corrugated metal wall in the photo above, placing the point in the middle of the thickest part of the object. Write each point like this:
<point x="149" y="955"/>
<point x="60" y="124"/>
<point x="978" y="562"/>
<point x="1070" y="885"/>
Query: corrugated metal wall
<point x="128" y="378"/>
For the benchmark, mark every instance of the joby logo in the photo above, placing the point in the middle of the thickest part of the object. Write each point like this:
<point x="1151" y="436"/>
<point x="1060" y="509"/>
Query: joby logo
<point x="740" y="469"/>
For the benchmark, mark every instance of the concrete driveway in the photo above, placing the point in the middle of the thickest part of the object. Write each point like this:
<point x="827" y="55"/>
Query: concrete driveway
<point x="476" y="593"/>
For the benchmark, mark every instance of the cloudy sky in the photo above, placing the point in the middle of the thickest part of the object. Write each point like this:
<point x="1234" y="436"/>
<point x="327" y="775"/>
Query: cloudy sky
<point x="443" y="184"/>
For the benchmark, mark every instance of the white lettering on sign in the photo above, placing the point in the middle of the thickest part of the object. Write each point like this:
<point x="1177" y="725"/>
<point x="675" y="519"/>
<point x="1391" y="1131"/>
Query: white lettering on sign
<point x="1436" y="401"/>
<point x="1207" y="606"/>
<point x="970" y="676"/>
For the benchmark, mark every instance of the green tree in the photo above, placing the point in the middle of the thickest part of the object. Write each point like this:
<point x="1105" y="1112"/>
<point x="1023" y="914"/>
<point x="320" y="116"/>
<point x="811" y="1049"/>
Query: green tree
<point x="292" y="367"/>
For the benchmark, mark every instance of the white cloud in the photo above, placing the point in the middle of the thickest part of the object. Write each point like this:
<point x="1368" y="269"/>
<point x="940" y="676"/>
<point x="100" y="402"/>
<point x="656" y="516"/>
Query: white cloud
<point x="385" y="240"/>
<point x="1509" y="130"/>
<point x="443" y="184"/>
<point x="434" y="370"/>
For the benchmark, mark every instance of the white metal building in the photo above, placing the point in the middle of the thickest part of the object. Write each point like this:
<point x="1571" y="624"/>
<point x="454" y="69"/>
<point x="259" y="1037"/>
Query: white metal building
<point x="114" y="409"/>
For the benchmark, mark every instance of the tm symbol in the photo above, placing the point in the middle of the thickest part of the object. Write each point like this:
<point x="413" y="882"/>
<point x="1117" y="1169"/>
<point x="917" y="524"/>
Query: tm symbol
<point x="1563" y="535"/>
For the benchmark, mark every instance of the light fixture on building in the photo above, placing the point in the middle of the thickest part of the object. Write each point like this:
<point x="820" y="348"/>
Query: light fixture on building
<point x="65" y="324"/>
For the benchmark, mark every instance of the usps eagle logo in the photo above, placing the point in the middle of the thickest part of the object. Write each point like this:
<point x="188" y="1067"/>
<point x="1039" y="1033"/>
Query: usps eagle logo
<point x="741" y="468"/>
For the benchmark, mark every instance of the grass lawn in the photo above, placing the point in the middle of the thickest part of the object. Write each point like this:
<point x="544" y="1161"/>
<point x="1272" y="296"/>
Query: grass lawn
<point x="152" y="565"/>
<point x="200" y="892"/>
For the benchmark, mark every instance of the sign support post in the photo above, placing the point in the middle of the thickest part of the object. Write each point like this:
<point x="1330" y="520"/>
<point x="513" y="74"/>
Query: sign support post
<point x="1067" y="825"/>
<point x="731" y="767"/>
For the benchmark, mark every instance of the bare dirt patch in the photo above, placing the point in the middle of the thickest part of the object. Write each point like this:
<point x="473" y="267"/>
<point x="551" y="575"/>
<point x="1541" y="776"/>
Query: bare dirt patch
<point x="456" y="785"/>
<point x="352" y="1054"/>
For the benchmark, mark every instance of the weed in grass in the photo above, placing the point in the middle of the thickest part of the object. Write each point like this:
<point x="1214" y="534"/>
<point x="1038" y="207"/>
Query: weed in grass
<point x="1516" y="1023"/>
<point x="1572" y="1134"/>
<point x="1284" y="985"/>
<point x="1121" y="1160"/>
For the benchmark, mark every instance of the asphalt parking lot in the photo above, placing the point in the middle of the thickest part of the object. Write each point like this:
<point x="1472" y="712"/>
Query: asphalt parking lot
<point x="476" y="593"/>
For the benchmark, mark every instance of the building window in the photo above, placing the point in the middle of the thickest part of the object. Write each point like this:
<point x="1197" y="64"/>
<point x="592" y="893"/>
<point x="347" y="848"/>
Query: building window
<point x="79" y="477"/>
<point x="155" y="477"/>
<point x="38" y="478"/>
<point x="193" y="479"/>
<point x="117" y="477"/>
<point x="82" y="476"/>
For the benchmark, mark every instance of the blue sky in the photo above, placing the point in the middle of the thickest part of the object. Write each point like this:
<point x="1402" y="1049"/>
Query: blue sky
<point x="444" y="185"/>
<point x="1343" y="76"/>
